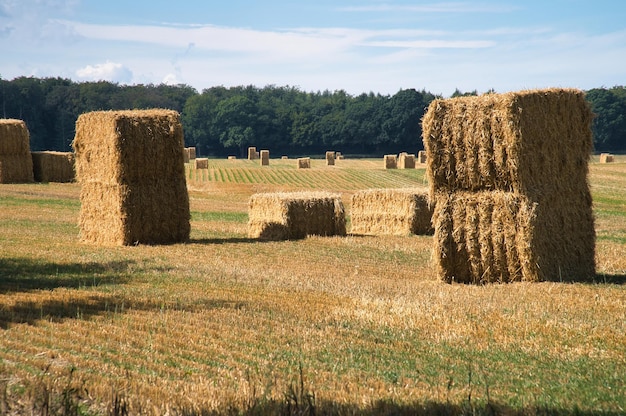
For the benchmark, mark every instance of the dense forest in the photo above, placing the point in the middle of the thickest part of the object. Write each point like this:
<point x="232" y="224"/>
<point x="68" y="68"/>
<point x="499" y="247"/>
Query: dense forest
<point x="286" y="120"/>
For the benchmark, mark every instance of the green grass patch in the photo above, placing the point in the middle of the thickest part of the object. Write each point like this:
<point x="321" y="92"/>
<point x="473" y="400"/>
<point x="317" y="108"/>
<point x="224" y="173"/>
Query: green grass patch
<point x="225" y="216"/>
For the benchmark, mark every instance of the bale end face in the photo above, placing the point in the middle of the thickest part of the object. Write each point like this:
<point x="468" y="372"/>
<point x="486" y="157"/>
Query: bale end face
<point x="16" y="165"/>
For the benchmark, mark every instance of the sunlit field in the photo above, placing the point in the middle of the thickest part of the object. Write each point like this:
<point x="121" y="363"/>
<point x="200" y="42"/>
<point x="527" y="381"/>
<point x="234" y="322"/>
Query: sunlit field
<point x="324" y="325"/>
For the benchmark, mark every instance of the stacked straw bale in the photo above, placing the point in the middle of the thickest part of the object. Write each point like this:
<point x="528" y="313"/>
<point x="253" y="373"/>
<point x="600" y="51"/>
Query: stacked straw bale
<point x="406" y="161"/>
<point x="189" y="154"/>
<point x="304" y="162"/>
<point x="16" y="163"/>
<point x="330" y="158"/>
<point x="295" y="215"/>
<point x="130" y="167"/>
<point x="202" y="163"/>
<point x="265" y="157"/>
<point x="606" y="158"/>
<point x="390" y="161"/>
<point x="508" y="177"/>
<point x="401" y="211"/>
<point x="53" y="166"/>
<point x="252" y="153"/>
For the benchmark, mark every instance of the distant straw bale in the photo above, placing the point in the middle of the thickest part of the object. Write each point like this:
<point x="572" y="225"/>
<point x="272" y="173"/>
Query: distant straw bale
<point x="421" y="156"/>
<point x="189" y="154"/>
<point x="401" y="211"/>
<point x="295" y="215"/>
<point x="232" y="157"/>
<point x="284" y="157"/>
<point x="508" y="176"/>
<point x="390" y="161"/>
<point x="265" y="157"/>
<point x="406" y="161"/>
<point x="252" y="153"/>
<point x="130" y="167"/>
<point x="304" y="162"/>
<point x="606" y="158"/>
<point x="51" y="166"/>
<point x="330" y="158"/>
<point x="202" y="163"/>
<point x="16" y="163"/>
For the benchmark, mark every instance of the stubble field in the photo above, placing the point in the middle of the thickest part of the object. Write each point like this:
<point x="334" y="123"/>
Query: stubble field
<point x="345" y="325"/>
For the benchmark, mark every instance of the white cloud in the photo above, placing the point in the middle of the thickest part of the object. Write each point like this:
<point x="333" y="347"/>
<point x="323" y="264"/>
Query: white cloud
<point x="170" y="79"/>
<point x="109" y="71"/>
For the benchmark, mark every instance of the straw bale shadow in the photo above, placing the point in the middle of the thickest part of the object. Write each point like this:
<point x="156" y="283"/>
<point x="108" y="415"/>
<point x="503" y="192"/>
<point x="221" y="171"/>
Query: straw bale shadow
<point x="25" y="274"/>
<point x="614" y="279"/>
<point x="229" y="240"/>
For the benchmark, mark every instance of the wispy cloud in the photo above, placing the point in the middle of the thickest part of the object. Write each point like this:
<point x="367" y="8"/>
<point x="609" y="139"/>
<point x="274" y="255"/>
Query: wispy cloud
<point x="108" y="71"/>
<point x="448" y="7"/>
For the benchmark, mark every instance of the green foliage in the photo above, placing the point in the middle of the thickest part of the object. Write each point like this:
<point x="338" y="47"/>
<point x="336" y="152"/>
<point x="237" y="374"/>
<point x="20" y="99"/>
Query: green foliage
<point x="220" y="121"/>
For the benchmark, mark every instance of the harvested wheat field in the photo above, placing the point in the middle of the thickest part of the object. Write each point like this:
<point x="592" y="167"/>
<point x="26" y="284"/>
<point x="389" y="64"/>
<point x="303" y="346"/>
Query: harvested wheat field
<point x="227" y="324"/>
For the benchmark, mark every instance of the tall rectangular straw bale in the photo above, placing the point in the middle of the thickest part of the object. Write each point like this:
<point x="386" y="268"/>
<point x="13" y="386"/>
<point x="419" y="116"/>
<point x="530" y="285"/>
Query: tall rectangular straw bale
<point x="16" y="163"/>
<point x="252" y="153"/>
<point x="131" y="170"/>
<point x="295" y="215"/>
<point x="606" y="158"/>
<point x="406" y="161"/>
<point x="304" y="162"/>
<point x="265" y="157"/>
<point x="330" y="158"/>
<point x="401" y="211"/>
<point x="421" y="156"/>
<point x="189" y="154"/>
<point x="202" y="163"/>
<point x="390" y="161"/>
<point x="515" y="161"/>
<point x="52" y="166"/>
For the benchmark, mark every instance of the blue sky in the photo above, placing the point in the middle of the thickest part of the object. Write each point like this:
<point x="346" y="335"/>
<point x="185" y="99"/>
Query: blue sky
<point x="358" y="46"/>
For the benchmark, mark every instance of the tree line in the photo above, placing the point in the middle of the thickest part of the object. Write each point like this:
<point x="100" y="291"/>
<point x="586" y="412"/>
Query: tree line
<point x="222" y="121"/>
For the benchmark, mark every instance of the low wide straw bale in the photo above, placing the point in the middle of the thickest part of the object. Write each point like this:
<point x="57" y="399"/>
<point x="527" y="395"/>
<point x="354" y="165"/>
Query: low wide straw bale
<point x="53" y="166"/>
<point x="406" y="161"/>
<point x="390" y="161"/>
<point x="304" y="162"/>
<point x="252" y="153"/>
<point x="401" y="211"/>
<point x="606" y="158"/>
<point x="508" y="176"/>
<point x="295" y="215"/>
<point x="202" y="163"/>
<point x="265" y="157"/>
<point x="16" y="163"/>
<point x="330" y="158"/>
<point x="130" y="167"/>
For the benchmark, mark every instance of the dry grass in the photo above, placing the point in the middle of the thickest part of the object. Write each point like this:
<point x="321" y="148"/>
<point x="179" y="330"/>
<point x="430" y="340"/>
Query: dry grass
<point x="227" y="321"/>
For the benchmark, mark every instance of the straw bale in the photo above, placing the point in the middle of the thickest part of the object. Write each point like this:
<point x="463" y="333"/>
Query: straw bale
<point x="391" y="161"/>
<point x="304" y="162"/>
<point x="189" y="154"/>
<point x="284" y="157"/>
<point x="130" y="167"/>
<point x="16" y="164"/>
<point x="421" y="156"/>
<point x="406" y="161"/>
<point x="232" y="157"/>
<point x="202" y="163"/>
<point x="508" y="175"/>
<point x="51" y="166"/>
<point x="496" y="236"/>
<point x="330" y="158"/>
<point x="532" y="142"/>
<point x="606" y="158"/>
<point x="401" y="211"/>
<point x="265" y="157"/>
<point x="252" y="153"/>
<point x="295" y="215"/>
